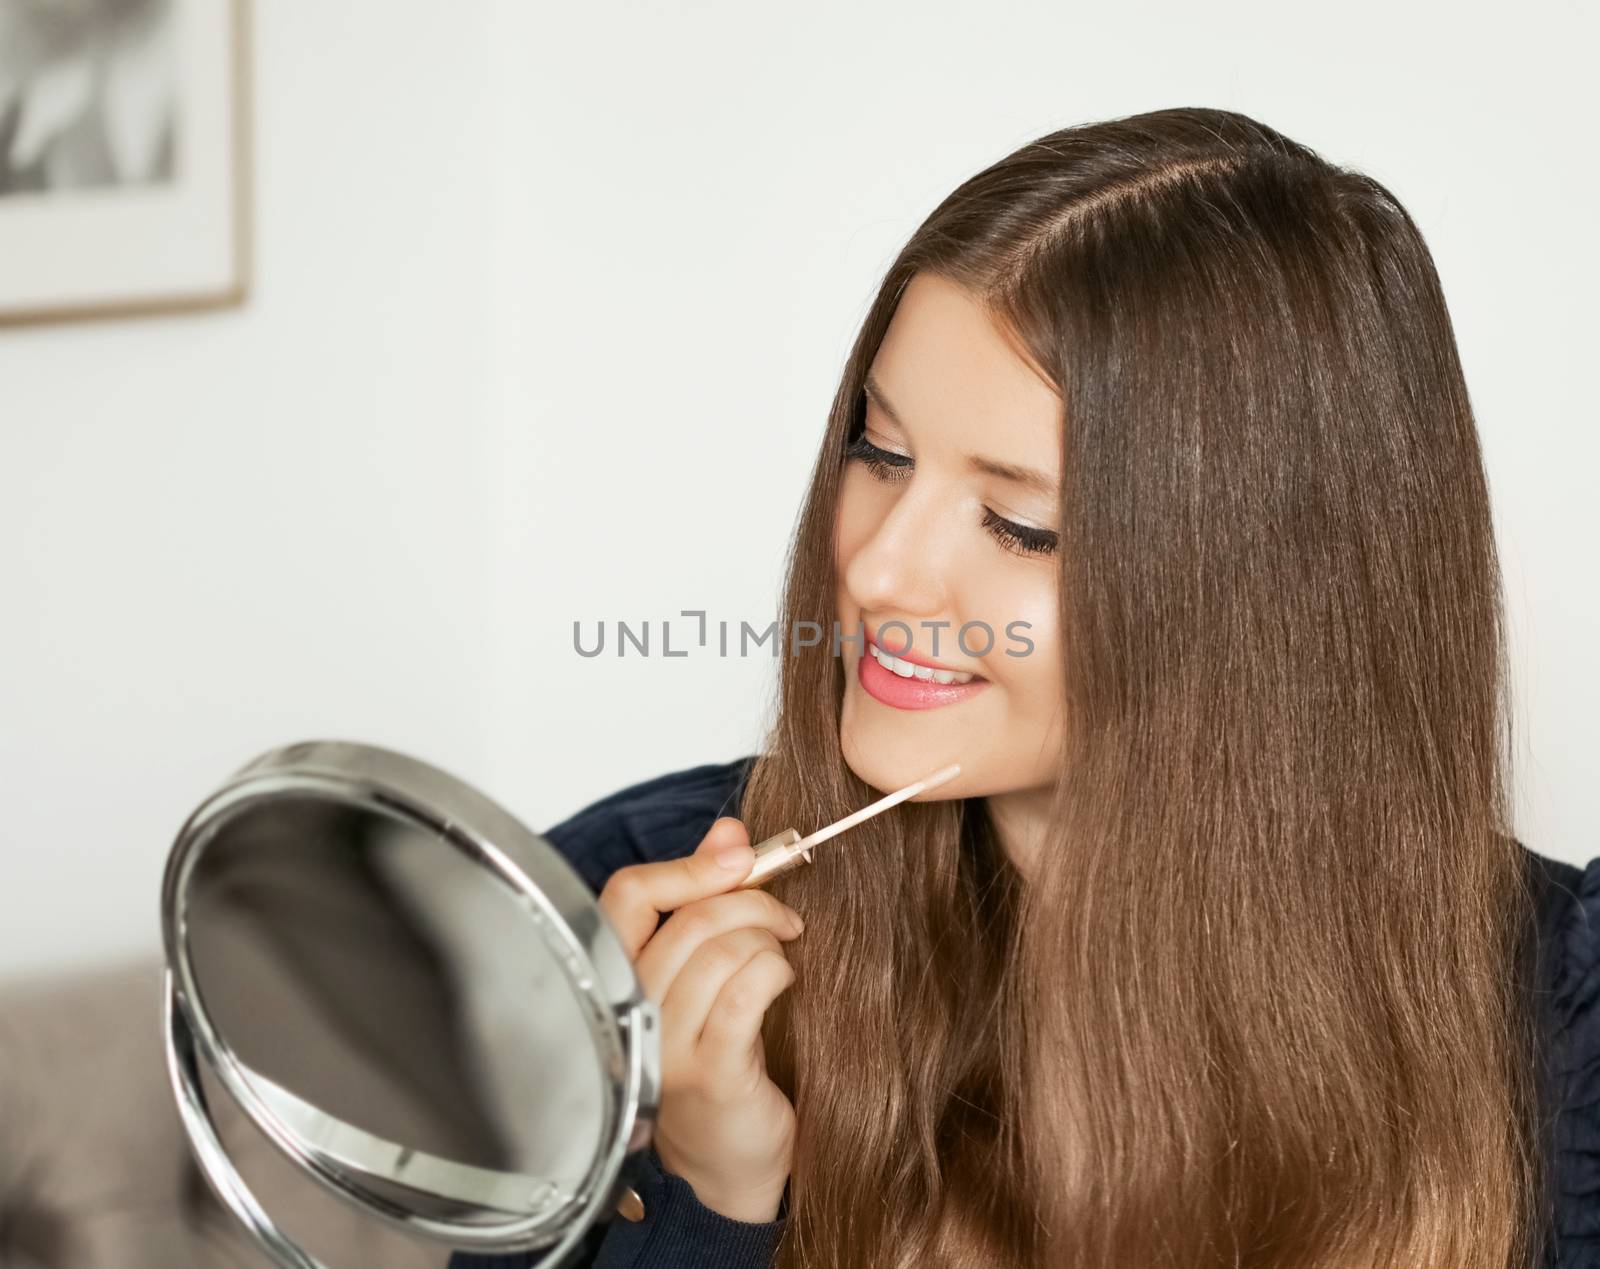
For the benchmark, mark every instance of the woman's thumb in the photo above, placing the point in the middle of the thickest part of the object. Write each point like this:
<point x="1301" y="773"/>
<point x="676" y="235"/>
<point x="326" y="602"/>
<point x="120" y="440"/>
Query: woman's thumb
<point x="725" y="851"/>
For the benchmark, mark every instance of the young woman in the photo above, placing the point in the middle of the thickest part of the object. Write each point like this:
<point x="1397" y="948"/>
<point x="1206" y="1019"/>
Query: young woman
<point x="1220" y="950"/>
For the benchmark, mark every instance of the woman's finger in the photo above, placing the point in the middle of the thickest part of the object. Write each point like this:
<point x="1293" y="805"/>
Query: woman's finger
<point x="697" y="985"/>
<point x="635" y="897"/>
<point x="728" y="1052"/>
<point x="665" y="955"/>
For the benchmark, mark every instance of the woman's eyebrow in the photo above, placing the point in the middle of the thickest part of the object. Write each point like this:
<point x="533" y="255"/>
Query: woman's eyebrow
<point x="1027" y="477"/>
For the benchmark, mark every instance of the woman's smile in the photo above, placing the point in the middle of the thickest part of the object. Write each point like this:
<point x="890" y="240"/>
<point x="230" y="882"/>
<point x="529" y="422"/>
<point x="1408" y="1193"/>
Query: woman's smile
<point x="907" y="686"/>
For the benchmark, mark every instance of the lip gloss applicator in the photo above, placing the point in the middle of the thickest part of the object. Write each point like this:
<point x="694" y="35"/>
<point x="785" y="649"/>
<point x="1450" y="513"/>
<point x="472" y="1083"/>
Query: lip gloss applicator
<point x="786" y="850"/>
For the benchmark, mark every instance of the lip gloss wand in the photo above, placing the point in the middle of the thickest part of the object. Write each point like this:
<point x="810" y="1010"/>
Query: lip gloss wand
<point x="786" y="850"/>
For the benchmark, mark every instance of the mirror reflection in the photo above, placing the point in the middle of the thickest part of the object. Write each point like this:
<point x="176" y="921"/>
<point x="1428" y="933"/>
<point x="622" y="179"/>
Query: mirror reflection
<point x="393" y="1004"/>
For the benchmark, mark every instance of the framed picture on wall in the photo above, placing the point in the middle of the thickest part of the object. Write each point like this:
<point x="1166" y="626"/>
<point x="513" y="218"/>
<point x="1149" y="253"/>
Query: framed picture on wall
<point x="124" y="164"/>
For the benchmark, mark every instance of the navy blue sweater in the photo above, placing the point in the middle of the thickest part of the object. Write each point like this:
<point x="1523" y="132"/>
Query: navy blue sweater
<point x="666" y="817"/>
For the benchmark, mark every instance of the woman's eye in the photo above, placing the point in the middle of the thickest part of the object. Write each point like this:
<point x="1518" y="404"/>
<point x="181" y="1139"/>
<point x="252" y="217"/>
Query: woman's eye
<point x="884" y="464"/>
<point x="1021" y="538"/>
<point x="888" y="466"/>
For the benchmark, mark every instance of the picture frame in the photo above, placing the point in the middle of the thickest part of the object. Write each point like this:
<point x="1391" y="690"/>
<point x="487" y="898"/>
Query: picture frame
<point x="125" y="137"/>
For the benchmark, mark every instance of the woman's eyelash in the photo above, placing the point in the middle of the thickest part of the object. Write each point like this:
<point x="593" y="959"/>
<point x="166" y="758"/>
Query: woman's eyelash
<point x="1027" y="540"/>
<point x="882" y="463"/>
<point x="886" y="465"/>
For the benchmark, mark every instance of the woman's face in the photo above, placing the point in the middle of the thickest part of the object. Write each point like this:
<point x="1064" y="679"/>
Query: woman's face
<point x="929" y="531"/>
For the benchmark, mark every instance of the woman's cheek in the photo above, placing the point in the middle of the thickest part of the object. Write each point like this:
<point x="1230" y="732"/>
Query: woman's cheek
<point x="1023" y="623"/>
<point x="851" y="525"/>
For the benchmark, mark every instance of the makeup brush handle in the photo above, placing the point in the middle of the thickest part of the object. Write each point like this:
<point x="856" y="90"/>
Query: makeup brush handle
<point x="774" y="856"/>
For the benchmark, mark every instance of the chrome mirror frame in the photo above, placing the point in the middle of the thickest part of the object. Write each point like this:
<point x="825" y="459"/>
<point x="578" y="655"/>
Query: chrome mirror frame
<point x="623" y="1023"/>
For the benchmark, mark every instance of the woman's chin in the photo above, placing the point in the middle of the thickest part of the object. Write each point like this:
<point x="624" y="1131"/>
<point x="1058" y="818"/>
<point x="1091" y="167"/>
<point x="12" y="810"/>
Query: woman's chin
<point x="889" y="763"/>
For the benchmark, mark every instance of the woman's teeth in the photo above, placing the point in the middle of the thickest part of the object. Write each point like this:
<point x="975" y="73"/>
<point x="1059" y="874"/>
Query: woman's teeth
<point x="906" y="670"/>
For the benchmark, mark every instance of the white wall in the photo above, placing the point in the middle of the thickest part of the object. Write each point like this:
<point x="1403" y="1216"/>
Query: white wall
<point x="551" y="306"/>
<point x="223" y="533"/>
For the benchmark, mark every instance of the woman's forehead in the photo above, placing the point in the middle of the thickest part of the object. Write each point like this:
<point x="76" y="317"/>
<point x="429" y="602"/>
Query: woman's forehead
<point x="949" y="376"/>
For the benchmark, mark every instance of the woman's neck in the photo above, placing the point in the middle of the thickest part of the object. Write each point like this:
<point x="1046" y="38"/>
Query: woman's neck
<point x="1019" y="819"/>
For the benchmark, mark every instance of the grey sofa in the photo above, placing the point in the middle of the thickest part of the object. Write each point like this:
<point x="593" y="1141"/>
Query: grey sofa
<point x="95" y="1169"/>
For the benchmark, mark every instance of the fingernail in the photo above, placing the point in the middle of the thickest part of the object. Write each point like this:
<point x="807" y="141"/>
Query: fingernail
<point x="795" y="918"/>
<point x="733" y="858"/>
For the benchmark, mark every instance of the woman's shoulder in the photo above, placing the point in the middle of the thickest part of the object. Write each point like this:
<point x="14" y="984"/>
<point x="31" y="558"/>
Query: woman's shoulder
<point x="1569" y="937"/>
<point x="662" y="817"/>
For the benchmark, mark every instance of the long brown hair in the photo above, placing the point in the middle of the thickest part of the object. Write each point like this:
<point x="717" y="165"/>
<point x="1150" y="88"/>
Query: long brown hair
<point x="1264" y="1002"/>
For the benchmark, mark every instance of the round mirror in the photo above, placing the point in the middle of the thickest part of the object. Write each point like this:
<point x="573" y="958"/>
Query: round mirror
<point x="412" y="995"/>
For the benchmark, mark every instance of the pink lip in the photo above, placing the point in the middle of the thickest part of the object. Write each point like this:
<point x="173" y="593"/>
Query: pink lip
<point x="913" y="693"/>
<point x="872" y="638"/>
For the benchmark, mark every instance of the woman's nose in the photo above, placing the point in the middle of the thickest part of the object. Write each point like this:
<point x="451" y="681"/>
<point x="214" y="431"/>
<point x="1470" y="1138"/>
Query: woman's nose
<point x="904" y="563"/>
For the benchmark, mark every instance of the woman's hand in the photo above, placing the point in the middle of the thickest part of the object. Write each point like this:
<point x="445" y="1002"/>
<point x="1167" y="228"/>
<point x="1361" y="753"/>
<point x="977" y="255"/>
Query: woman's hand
<point x="713" y="967"/>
